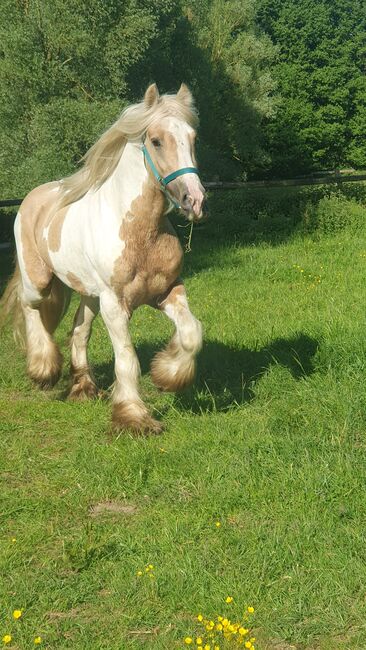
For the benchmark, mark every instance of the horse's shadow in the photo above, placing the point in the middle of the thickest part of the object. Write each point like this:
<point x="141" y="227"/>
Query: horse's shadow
<point x="226" y="376"/>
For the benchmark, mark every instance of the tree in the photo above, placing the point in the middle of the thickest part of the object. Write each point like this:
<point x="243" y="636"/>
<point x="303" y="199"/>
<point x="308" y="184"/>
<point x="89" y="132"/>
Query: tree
<point x="320" y="73"/>
<point x="68" y="68"/>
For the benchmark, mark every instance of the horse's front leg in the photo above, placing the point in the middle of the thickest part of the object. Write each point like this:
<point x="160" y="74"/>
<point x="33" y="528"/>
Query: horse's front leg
<point x="129" y="411"/>
<point x="174" y="368"/>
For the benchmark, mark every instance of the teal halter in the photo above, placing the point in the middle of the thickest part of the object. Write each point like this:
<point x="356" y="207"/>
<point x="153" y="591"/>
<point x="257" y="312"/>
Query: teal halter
<point x="164" y="181"/>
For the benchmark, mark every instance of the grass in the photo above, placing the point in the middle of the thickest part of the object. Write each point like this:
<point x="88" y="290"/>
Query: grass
<point x="271" y="442"/>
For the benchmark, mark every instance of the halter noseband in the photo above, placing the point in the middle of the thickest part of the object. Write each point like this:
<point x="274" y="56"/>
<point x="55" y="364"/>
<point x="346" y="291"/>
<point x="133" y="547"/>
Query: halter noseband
<point x="164" y="181"/>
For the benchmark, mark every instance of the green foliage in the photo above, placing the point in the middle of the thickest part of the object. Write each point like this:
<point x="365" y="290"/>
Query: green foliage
<point x="320" y="72"/>
<point x="68" y="68"/>
<point x="280" y="86"/>
<point x="334" y="213"/>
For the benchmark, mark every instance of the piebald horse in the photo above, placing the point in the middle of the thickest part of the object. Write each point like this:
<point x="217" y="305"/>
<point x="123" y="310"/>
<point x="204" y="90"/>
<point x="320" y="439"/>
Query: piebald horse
<point x="104" y="232"/>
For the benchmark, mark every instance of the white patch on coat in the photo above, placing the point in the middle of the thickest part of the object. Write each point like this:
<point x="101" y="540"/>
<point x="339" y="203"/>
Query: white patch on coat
<point x="90" y="236"/>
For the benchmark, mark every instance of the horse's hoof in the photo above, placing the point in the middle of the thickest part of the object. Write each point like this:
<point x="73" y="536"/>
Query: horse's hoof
<point x="134" y="417"/>
<point x="82" y="391"/>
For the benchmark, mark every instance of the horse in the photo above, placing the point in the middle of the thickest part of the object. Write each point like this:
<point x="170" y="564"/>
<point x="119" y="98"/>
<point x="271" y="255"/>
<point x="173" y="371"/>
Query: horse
<point x="104" y="232"/>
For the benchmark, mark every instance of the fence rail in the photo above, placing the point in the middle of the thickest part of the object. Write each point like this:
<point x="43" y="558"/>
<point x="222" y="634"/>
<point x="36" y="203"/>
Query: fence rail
<point x="325" y="179"/>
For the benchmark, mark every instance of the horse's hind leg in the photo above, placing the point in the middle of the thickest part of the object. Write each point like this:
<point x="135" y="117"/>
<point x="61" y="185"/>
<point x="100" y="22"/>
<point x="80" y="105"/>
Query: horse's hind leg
<point x="83" y="385"/>
<point x="174" y="368"/>
<point x="44" y="359"/>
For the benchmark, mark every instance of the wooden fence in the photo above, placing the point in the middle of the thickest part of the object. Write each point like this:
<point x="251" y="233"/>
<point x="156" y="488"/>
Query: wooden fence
<point x="321" y="179"/>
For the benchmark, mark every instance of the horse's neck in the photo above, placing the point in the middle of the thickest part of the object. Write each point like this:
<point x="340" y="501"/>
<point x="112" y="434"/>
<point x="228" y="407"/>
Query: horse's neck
<point x="130" y="189"/>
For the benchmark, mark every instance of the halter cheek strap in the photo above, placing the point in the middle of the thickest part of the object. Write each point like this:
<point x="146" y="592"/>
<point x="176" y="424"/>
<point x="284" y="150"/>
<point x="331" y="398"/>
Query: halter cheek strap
<point x="163" y="181"/>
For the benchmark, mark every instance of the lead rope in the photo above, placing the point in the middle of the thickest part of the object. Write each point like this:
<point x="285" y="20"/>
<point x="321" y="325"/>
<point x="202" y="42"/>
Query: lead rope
<point x="187" y="246"/>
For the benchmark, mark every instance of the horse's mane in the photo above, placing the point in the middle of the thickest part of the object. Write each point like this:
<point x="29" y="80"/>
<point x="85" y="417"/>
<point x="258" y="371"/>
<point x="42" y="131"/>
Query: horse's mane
<point x="102" y="158"/>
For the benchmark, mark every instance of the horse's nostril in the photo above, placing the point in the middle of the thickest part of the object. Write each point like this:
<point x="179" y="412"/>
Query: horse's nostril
<point x="186" y="201"/>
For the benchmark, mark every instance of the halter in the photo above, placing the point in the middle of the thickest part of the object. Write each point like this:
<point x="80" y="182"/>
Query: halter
<point x="164" y="181"/>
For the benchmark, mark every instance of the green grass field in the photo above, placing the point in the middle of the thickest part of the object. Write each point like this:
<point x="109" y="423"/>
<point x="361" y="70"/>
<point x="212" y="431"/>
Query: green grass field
<point x="271" y="443"/>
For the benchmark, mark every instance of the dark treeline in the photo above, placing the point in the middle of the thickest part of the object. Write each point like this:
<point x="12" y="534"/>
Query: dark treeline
<point x="280" y="85"/>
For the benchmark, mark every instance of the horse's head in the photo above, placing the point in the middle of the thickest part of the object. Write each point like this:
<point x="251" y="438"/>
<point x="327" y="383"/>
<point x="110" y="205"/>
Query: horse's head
<point x="170" y="148"/>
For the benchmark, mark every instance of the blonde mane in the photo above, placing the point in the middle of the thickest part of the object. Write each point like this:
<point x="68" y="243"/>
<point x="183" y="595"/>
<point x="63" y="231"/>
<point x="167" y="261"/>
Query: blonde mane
<point x="102" y="158"/>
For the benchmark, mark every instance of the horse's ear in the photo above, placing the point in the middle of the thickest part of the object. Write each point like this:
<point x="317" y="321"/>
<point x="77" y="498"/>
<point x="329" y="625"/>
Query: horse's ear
<point x="151" y="96"/>
<point x="185" y="96"/>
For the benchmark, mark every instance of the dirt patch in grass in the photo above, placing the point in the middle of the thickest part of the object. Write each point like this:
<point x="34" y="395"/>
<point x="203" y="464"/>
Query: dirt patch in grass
<point x="71" y="613"/>
<point x="112" y="508"/>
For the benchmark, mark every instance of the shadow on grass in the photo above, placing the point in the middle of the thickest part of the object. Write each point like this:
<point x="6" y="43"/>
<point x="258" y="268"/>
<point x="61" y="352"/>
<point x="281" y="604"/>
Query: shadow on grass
<point x="227" y="376"/>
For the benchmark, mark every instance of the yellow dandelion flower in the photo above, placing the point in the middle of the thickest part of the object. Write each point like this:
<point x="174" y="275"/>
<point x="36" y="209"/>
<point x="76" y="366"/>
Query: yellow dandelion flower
<point x="151" y="575"/>
<point x="217" y="647"/>
<point x="38" y="640"/>
<point x="13" y="539"/>
<point x="251" y="610"/>
<point x="6" y="638"/>
<point x="252" y="639"/>
<point x="139" y="573"/>
<point x="150" y="567"/>
<point x="218" y="524"/>
<point x="200" y="618"/>
<point x="243" y="631"/>
<point x="17" y="613"/>
<point x="207" y="647"/>
<point x="229" y="599"/>
<point x="218" y="627"/>
<point x="188" y="640"/>
<point x="219" y="618"/>
<point x="248" y="644"/>
<point x="198" y="641"/>
<point x="225" y="622"/>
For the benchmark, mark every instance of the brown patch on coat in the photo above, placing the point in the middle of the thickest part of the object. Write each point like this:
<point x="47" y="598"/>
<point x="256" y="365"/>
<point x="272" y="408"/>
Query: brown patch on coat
<point x="55" y="305"/>
<point x="112" y="508"/>
<point x="35" y="215"/>
<point x="55" y="230"/>
<point x="76" y="284"/>
<point x="172" y="295"/>
<point x="152" y="257"/>
<point x="166" y="156"/>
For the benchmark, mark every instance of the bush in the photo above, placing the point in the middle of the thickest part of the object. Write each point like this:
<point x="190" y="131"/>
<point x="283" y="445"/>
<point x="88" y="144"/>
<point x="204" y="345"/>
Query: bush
<point x="334" y="213"/>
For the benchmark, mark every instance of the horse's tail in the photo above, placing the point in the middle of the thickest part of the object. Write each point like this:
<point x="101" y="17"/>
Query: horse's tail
<point x="11" y="306"/>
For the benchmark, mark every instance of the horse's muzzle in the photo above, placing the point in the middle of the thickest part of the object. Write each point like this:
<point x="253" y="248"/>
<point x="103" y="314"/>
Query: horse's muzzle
<point x="192" y="199"/>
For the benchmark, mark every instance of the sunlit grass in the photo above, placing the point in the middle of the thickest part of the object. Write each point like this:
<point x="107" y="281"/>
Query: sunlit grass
<point x="270" y="444"/>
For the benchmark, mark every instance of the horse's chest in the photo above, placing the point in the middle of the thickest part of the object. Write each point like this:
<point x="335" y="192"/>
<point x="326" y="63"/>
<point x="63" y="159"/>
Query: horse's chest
<point x="148" y="266"/>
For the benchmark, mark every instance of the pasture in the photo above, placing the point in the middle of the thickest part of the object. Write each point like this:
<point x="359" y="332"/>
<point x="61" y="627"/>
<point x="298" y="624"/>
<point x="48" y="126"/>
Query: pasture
<point x="270" y="443"/>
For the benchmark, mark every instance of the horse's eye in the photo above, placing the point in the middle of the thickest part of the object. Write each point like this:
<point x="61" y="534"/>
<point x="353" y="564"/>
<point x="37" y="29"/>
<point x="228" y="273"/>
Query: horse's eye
<point x="156" y="142"/>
